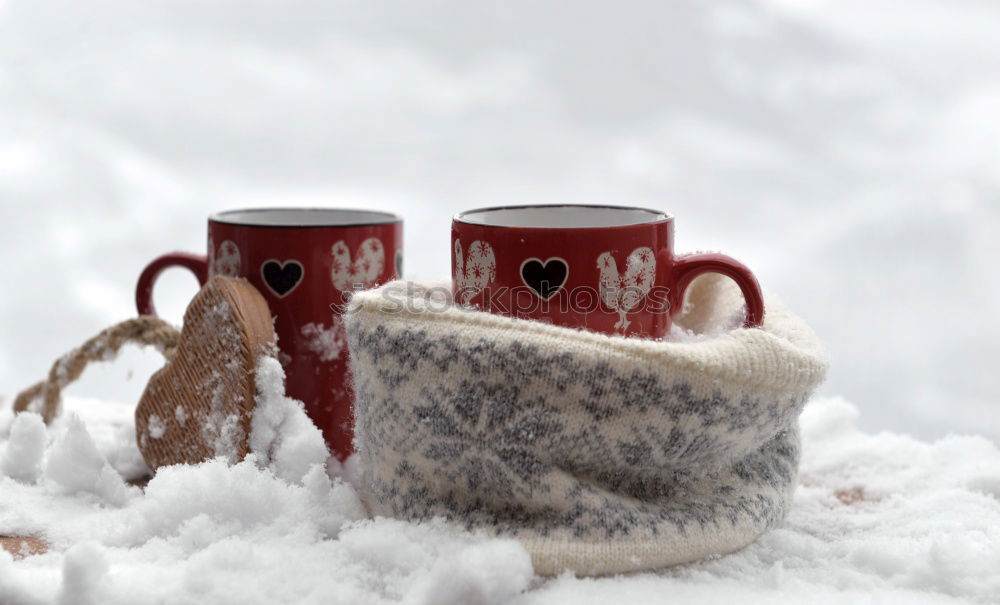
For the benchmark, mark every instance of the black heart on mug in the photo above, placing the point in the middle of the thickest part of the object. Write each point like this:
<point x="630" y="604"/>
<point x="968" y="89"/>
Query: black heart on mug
<point x="544" y="278"/>
<point x="281" y="277"/>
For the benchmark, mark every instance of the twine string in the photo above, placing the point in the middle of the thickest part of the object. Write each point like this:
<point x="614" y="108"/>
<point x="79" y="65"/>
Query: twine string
<point x="144" y="330"/>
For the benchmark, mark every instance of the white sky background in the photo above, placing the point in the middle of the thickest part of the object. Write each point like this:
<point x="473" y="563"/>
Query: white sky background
<point x="848" y="151"/>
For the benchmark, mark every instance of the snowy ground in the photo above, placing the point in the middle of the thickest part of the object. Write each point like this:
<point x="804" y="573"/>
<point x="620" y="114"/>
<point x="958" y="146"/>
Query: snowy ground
<point x="877" y="519"/>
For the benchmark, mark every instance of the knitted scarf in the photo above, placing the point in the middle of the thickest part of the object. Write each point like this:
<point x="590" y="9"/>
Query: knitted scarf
<point x="601" y="454"/>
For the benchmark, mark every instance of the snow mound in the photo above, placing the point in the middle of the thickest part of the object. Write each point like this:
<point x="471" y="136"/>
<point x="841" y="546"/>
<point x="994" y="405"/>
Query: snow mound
<point x="85" y="570"/>
<point x="214" y="501"/>
<point x="22" y="460"/>
<point x="282" y="436"/>
<point x="879" y="518"/>
<point x="74" y="464"/>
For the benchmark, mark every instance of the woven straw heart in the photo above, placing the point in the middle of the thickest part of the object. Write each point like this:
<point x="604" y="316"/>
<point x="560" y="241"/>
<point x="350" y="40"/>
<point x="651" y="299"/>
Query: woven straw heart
<point x="200" y="404"/>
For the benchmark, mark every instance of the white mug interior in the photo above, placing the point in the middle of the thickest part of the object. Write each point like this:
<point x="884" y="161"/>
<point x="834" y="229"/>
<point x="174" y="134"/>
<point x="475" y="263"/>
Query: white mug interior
<point x="561" y="216"/>
<point x="303" y="217"/>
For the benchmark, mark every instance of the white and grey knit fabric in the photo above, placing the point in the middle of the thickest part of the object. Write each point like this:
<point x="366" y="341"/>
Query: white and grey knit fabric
<point x="600" y="454"/>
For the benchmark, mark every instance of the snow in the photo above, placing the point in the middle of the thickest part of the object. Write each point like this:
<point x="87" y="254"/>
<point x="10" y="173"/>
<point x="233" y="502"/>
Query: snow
<point x="22" y="459"/>
<point x="157" y="427"/>
<point x="84" y="575"/>
<point x="181" y="415"/>
<point x="282" y="435"/>
<point x="877" y="518"/>
<point x="223" y="432"/>
<point x="74" y="464"/>
<point x="327" y="343"/>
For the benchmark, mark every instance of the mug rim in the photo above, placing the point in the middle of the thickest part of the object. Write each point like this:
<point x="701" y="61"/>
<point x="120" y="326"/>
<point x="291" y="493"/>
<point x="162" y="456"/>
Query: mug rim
<point x="378" y="217"/>
<point x="660" y="216"/>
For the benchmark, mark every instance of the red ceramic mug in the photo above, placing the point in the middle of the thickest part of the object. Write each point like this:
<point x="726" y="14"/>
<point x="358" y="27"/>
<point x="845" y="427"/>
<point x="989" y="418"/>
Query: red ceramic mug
<point x="304" y="262"/>
<point x="609" y="269"/>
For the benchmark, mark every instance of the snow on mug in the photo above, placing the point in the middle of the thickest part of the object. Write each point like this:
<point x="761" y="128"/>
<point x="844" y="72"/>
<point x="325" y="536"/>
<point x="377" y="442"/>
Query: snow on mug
<point x="608" y="269"/>
<point x="304" y="262"/>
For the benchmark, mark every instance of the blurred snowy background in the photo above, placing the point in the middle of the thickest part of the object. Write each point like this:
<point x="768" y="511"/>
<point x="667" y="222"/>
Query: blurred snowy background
<point x="848" y="151"/>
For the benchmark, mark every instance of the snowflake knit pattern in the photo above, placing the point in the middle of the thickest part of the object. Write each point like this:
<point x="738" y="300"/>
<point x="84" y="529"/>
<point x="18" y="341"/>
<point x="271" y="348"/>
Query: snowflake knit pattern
<point x="601" y="454"/>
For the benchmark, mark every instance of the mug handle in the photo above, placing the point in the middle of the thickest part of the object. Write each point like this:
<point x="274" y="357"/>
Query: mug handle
<point x="690" y="266"/>
<point x="195" y="263"/>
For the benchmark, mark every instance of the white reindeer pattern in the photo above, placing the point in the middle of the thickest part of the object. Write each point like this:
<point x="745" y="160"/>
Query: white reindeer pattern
<point x="623" y="292"/>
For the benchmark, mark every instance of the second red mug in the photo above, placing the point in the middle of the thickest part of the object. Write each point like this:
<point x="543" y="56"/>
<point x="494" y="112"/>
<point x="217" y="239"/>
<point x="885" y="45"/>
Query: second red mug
<point x="305" y="262"/>
<point x="608" y="269"/>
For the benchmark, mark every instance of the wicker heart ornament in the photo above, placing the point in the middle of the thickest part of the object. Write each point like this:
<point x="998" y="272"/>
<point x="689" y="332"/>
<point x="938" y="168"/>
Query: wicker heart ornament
<point x="199" y="405"/>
